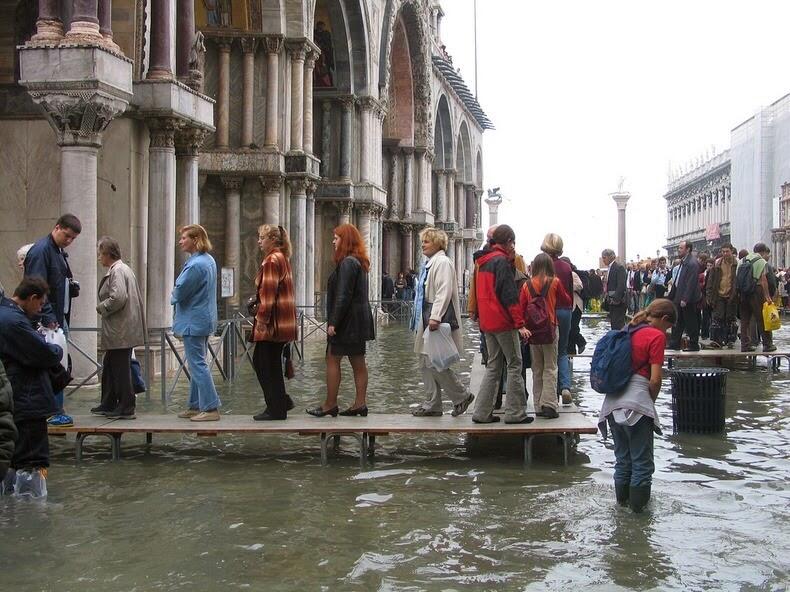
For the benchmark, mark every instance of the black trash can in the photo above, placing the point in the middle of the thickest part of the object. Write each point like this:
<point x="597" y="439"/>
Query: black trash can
<point x="698" y="396"/>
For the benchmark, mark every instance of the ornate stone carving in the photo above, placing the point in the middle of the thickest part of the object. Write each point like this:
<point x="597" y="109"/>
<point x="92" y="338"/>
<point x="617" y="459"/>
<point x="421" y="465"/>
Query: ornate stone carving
<point x="344" y="208"/>
<point x="78" y="117"/>
<point x="298" y="50"/>
<point x="300" y="186"/>
<point x="188" y="141"/>
<point x="347" y="103"/>
<point x="310" y="58"/>
<point x="271" y="183"/>
<point x="197" y="63"/>
<point x="163" y="131"/>
<point x="232" y="183"/>
<point x="249" y="44"/>
<point x="273" y="44"/>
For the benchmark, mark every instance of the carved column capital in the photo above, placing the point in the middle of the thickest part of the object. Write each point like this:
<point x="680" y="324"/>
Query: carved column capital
<point x="78" y="117"/>
<point x="310" y="58"/>
<point x="273" y="44"/>
<point x="162" y="131"/>
<point x="347" y="103"/>
<point x="407" y="150"/>
<point x="232" y="183"/>
<point x="297" y="50"/>
<point x="344" y="207"/>
<point x="249" y="44"/>
<point x="271" y="183"/>
<point x="299" y="186"/>
<point x="224" y="44"/>
<point x="188" y="141"/>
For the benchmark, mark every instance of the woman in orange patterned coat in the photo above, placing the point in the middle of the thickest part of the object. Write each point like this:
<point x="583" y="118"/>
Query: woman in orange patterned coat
<point x="275" y="319"/>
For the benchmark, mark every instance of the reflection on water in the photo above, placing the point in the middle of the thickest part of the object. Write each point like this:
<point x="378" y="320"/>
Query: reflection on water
<point x="261" y="513"/>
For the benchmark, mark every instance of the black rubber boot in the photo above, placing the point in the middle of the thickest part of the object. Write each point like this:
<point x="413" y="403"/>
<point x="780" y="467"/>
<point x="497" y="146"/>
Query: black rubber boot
<point x="621" y="492"/>
<point x="638" y="497"/>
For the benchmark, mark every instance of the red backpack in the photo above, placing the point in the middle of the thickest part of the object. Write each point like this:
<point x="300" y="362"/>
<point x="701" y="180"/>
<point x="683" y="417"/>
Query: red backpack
<point x="536" y="316"/>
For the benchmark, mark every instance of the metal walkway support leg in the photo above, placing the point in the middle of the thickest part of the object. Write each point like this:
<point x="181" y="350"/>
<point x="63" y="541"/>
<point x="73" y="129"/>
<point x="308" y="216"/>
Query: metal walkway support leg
<point x="363" y="449"/>
<point x="527" y="443"/>
<point x="324" y="459"/>
<point x="115" y="444"/>
<point x="371" y="445"/>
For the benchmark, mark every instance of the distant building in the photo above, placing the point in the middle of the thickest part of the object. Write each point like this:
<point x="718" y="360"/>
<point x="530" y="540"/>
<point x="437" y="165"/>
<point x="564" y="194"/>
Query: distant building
<point x="698" y="206"/>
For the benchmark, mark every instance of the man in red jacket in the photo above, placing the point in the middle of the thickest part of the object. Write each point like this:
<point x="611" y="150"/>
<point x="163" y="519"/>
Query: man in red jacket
<point x="502" y="321"/>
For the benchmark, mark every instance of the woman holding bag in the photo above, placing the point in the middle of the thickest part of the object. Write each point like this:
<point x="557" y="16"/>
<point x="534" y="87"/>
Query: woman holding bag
<point x="275" y="320"/>
<point x="437" y="302"/>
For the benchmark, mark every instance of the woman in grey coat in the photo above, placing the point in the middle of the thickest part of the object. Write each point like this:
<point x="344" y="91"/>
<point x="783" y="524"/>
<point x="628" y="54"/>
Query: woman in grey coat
<point x="122" y="329"/>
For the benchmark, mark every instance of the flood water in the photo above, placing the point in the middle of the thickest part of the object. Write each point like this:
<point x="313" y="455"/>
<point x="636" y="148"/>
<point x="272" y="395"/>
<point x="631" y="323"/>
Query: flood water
<point x="260" y="513"/>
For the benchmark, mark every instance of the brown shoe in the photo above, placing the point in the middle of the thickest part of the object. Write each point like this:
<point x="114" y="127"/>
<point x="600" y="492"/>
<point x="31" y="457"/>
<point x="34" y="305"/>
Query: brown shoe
<point x="212" y="415"/>
<point x="188" y="414"/>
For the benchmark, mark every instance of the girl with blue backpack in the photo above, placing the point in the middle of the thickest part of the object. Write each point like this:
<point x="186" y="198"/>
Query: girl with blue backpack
<point x="630" y="412"/>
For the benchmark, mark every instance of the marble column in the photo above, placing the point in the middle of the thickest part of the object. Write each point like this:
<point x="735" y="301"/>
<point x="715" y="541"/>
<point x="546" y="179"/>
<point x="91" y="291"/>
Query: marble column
<point x="423" y="198"/>
<point x="187" y="143"/>
<point x="271" y="198"/>
<point x="460" y="204"/>
<point x="185" y="36"/>
<point x="364" y="213"/>
<point x="161" y="221"/>
<point x="346" y="140"/>
<point x="232" y="258"/>
<point x="298" y="232"/>
<point x="365" y="141"/>
<point x="223" y="94"/>
<point x="450" y="195"/>
<point x="84" y="25"/>
<point x="441" y="196"/>
<point x="105" y="24"/>
<point x="470" y="206"/>
<point x="297" y="52"/>
<point x="408" y="183"/>
<point x="310" y="263"/>
<point x="307" y="108"/>
<point x="159" y="66"/>
<point x="248" y="47"/>
<point x="273" y="47"/>
<point x="49" y="27"/>
<point x="344" y="212"/>
<point x="459" y="262"/>
<point x="393" y="207"/>
<point x="326" y="137"/>
<point x="407" y="247"/>
<point x="621" y="200"/>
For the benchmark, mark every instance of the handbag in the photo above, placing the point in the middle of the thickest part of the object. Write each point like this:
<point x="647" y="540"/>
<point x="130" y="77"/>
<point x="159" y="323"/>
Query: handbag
<point x="60" y="377"/>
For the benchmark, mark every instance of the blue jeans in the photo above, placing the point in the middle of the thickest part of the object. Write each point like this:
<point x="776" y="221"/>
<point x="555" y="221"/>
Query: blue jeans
<point x="202" y="393"/>
<point x="563" y="366"/>
<point x="633" y="452"/>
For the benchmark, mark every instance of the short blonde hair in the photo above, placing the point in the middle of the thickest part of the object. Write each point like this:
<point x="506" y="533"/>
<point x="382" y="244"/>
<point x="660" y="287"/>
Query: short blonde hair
<point x="552" y="244"/>
<point x="198" y="234"/>
<point x="435" y="236"/>
<point x="520" y="264"/>
<point x="21" y="253"/>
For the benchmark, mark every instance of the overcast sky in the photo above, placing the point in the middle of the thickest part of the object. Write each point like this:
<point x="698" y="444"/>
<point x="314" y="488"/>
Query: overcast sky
<point x="582" y="93"/>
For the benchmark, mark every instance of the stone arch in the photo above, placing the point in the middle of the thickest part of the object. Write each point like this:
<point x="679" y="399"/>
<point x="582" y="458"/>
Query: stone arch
<point x="479" y="169"/>
<point x="463" y="149"/>
<point x="399" y="123"/>
<point x="443" y="136"/>
<point x="412" y="15"/>
<point x="349" y="40"/>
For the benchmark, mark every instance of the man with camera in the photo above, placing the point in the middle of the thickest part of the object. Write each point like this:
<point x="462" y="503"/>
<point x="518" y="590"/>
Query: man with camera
<point x="47" y="260"/>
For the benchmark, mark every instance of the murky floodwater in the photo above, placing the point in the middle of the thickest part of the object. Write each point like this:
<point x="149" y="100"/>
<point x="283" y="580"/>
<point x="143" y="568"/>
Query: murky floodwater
<point x="430" y="514"/>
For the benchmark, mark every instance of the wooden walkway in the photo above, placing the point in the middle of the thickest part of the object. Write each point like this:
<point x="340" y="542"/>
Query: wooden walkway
<point x="717" y="355"/>
<point x="364" y="429"/>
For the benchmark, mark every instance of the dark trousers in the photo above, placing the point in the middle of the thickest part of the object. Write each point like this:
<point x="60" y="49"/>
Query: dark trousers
<point x="704" y="330"/>
<point x="617" y="315"/>
<point x="117" y="392"/>
<point x="633" y="452"/>
<point x="722" y="322"/>
<point x="32" y="444"/>
<point x="267" y="360"/>
<point x="575" y="341"/>
<point x="752" y="312"/>
<point x="688" y="322"/>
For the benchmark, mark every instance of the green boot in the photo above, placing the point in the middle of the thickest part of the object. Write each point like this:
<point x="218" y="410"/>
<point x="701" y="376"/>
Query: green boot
<point x="621" y="492"/>
<point x="638" y="498"/>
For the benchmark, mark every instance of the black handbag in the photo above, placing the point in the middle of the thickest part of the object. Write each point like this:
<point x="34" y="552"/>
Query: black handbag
<point x="449" y="316"/>
<point x="60" y="377"/>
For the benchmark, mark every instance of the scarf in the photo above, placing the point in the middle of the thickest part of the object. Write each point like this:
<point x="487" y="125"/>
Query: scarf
<point x="419" y="299"/>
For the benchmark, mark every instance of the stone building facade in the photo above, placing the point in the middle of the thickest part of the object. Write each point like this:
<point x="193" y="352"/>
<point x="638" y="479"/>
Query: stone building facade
<point x="234" y="113"/>
<point x="698" y="206"/>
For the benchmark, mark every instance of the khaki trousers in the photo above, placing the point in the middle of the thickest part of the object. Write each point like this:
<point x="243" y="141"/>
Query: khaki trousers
<point x="504" y="350"/>
<point x="436" y="381"/>
<point x="544" y="374"/>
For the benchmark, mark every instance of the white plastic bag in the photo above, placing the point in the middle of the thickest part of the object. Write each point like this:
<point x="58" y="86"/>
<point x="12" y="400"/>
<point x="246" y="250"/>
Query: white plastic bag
<point x="440" y="347"/>
<point x="58" y="337"/>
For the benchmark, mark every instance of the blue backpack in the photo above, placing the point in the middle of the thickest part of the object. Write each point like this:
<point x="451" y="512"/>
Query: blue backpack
<point x="610" y="369"/>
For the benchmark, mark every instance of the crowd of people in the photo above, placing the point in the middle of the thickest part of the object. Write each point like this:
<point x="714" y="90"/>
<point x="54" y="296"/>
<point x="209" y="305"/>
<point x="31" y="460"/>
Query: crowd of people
<point x="528" y="316"/>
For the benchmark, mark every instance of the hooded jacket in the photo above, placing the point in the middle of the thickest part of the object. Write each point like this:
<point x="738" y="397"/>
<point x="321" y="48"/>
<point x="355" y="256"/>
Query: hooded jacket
<point x="496" y="293"/>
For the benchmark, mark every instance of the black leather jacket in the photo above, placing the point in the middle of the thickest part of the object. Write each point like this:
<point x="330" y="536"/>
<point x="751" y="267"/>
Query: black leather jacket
<point x="347" y="303"/>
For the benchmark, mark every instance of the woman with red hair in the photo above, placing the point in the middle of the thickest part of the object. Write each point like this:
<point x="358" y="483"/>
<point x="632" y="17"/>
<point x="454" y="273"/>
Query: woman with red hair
<point x="349" y="321"/>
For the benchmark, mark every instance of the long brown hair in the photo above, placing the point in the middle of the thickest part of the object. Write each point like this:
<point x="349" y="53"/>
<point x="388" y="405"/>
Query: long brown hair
<point x="351" y="243"/>
<point x="660" y="307"/>
<point x="543" y="265"/>
<point x="278" y="236"/>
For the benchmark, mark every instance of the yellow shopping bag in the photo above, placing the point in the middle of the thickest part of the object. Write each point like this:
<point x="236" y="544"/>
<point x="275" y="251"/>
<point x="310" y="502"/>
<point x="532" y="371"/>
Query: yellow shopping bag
<point x="771" y="320"/>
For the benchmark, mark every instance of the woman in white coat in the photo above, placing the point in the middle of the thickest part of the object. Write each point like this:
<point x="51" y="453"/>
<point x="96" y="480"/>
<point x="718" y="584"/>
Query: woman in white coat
<point x="436" y="301"/>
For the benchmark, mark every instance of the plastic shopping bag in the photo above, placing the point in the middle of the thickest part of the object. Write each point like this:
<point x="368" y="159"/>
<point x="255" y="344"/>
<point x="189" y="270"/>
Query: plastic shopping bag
<point x="57" y="337"/>
<point x="440" y="347"/>
<point x="771" y="320"/>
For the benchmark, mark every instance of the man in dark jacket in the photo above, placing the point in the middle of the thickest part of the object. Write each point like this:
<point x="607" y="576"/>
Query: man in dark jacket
<point x="596" y="284"/>
<point x="686" y="297"/>
<point x="722" y="298"/>
<point x="387" y="287"/>
<point x="27" y="359"/>
<point x="614" y="292"/>
<point x="8" y="431"/>
<point x="502" y="320"/>
<point x="47" y="260"/>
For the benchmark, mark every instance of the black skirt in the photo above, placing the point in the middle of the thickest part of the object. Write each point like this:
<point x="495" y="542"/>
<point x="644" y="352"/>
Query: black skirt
<point x="346" y="349"/>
